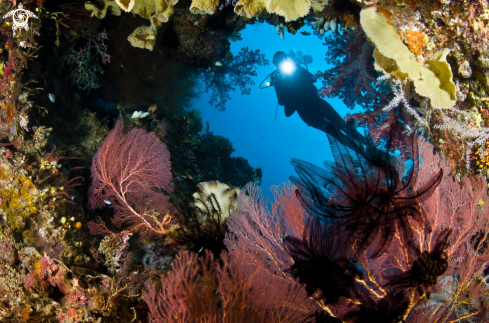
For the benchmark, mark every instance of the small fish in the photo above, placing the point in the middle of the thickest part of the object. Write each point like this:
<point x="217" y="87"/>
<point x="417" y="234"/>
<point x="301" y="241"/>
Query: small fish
<point x="51" y="97"/>
<point x="201" y="249"/>
<point x="107" y="202"/>
<point x="218" y="64"/>
<point x="305" y="33"/>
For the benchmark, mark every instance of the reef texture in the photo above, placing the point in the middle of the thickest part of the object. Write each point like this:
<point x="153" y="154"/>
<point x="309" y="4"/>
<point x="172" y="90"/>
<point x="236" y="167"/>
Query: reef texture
<point x="170" y="227"/>
<point x="409" y="40"/>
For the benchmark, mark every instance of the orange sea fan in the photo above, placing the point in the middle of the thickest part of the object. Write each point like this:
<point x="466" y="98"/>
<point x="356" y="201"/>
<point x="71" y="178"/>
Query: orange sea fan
<point x="415" y="41"/>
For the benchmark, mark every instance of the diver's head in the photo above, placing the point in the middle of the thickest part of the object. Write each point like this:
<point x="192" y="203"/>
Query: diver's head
<point x="278" y="57"/>
<point x="285" y="64"/>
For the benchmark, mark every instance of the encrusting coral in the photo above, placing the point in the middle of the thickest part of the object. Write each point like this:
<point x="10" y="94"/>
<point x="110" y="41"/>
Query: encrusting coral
<point x="126" y="5"/>
<point x="143" y="37"/>
<point x="157" y="12"/>
<point x="248" y="8"/>
<point x="109" y="5"/>
<point x="291" y="10"/>
<point x="203" y="7"/>
<point x="434" y="80"/>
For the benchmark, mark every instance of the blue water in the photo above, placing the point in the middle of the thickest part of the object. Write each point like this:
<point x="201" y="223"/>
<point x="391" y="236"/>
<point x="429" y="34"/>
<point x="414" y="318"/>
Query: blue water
<point x="248" y="120"/>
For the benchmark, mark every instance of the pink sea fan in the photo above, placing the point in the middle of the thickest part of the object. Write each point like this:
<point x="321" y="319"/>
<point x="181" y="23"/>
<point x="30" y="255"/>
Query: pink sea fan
<point x="130" y="172"/>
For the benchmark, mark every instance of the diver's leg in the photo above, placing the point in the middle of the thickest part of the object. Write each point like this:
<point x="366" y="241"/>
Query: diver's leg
<point x="316" y="111"/>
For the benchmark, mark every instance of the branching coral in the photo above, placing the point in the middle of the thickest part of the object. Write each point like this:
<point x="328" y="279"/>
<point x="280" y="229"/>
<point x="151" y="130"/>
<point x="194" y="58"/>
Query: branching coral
<point x="231" y="73"/>
<point x="131" y="172"/>
<point x="85" y="69"/>
<point x="353" y="77"/>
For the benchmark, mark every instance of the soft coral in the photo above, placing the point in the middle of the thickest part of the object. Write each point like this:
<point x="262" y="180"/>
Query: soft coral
<point x="353" y="77"/>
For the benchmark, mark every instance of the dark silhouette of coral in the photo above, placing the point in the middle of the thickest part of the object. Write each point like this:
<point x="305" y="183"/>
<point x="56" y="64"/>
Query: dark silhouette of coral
<point x="198" y="235"/>
<point x="233" y="72"/>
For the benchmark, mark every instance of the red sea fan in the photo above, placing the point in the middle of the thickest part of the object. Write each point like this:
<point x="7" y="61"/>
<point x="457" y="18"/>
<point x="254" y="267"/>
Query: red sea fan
<point x="131" y="173"/>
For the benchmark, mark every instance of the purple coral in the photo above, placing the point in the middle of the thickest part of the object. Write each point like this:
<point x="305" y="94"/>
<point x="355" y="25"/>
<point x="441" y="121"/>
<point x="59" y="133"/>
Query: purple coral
<point x="231" y="73"/>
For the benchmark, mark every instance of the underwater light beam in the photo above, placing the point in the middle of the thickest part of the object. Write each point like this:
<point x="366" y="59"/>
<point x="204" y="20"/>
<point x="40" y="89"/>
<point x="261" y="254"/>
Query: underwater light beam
<point x="287" y="67"/>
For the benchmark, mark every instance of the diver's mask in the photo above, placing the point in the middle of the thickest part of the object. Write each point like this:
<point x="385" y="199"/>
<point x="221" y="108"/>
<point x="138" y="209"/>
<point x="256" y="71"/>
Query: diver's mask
<point x="287" y="67"/>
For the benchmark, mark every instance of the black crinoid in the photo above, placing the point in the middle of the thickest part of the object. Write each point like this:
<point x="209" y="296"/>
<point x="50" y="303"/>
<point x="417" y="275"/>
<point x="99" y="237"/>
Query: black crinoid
<point x="365" y="191"/>
<point x="389" y="309"/>
<point x="319" y="263"/>
<point x="197" y="235"/>
<point x="426" y="269"/>
<point x="203" y="223"/>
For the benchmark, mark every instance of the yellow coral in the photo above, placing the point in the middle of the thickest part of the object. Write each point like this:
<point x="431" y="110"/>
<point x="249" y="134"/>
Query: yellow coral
<point x="318" y="5"/>
<point x="290" y="10"/>
<point x="143" y="37"/>
<point x="157" y="11"/>
<point x="203" y="7"/>
<point x="18" y="198"/>
<point x="109" y="5"/>
<point x="248" y="8"/>
<point x="433" y="80"/>
<point x="146" y="8"/>
<point x="126" y="5"/>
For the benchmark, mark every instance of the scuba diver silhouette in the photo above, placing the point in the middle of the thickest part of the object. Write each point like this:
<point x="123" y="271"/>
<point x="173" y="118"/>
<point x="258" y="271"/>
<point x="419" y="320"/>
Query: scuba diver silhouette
<point x="295" y="89"/>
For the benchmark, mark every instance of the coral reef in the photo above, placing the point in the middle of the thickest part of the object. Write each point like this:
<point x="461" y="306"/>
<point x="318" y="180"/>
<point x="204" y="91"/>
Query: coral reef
<point x="442" y="37"/>
<point x="390" y="237"/>
<point x="84" y="64"/>
<point x="351" y="56"/>
<point x="393" y="58"/>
